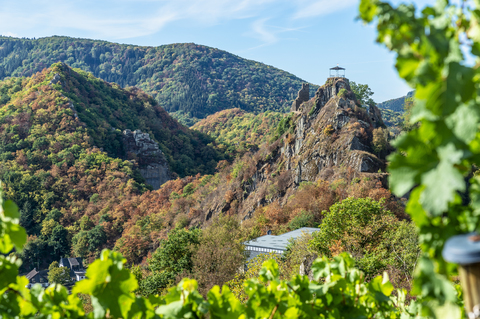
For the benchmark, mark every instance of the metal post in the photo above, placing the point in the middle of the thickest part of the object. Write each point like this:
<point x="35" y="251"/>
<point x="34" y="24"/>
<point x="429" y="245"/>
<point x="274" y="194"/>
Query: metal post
<point x="465" y="251"/>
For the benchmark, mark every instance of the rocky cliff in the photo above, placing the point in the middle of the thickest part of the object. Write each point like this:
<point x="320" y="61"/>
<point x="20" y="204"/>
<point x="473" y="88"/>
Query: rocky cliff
<point x="328" y="137"/>
<point x="317" y="155"/>
<point x="152" y="163"/>
<point x="332" y="131"/>
<point x="303" y="96"/>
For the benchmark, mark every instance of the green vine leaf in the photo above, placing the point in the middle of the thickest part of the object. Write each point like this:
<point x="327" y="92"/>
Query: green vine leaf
<point x="110" y="284"/>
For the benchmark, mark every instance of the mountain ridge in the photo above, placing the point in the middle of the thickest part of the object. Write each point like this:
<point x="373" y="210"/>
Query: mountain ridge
<point x="192" y="81"/>
<point x="396" y="104"/>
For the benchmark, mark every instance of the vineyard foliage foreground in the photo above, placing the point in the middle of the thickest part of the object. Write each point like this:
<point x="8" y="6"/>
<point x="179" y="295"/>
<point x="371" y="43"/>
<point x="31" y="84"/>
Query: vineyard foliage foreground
<point x="338" y="290"/>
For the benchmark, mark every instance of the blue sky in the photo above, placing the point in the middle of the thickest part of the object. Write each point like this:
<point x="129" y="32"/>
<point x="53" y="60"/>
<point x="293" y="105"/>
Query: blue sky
<point x="303" y="37"/>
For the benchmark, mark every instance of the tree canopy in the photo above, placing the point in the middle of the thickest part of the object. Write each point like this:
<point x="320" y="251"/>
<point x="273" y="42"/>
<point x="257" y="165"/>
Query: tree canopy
<point x="188" y="80"/>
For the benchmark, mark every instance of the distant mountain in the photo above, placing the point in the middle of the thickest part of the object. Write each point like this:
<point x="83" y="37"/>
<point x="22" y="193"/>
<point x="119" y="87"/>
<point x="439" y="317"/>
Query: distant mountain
<point x="395" y="104"/>
<point x="391" y="118"/>
<point x="238" y="131"/>
<point x="192" y="81"/>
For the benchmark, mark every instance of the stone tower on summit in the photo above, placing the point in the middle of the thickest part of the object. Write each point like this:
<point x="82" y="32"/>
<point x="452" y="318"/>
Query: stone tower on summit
<point x="303" y="96"/>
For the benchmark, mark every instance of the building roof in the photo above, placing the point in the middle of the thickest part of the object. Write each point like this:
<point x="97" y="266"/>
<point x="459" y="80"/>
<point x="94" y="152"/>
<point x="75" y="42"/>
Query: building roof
<point x="32" y="274"/>
<point x="279" y="242"/>
<point x="64" y="262"/>
<point x="36" y="276"/>
<point x="73" y="262"/>
<point x="337" y="68"/>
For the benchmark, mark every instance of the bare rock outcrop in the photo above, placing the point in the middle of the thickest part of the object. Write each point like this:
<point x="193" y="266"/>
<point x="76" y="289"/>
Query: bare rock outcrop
<point x="56" y="79"/>
<point x="303" y="96"/>
<point x="328" y="137"/>
<point x="152" y="163"/>
<point x="332" y="132"/>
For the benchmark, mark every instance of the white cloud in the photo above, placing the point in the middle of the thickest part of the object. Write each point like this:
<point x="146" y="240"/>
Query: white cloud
<point x="310" y="9"/>
<point x="262" y="33"/>
<point x="8" y="34"/>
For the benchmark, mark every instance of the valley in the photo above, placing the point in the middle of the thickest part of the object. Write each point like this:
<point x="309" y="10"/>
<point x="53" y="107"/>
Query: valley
<point x="183" y="181"/>
<point x="80" y="157"/>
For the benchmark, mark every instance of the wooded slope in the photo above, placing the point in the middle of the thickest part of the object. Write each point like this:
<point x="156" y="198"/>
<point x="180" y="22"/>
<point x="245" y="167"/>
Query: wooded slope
<point x="189" y="79"/>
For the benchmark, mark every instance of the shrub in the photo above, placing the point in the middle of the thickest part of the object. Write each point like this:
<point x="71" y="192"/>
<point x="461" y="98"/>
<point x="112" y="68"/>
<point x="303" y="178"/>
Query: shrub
<point x="380" y="140"/>
<point x="328" y="130"/>
<point x="304" y="219"/>
<point x="359" y="226"/>
<point x="220" y="253"/>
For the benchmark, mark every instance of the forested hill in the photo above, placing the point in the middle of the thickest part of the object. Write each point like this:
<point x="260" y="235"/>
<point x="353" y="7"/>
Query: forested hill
<point x="105" y="110"/>
<point x="238" y="131"/>
<point x="53" y="127"/>
<point x="396" y="104"/>
<point x="189" y="79"/>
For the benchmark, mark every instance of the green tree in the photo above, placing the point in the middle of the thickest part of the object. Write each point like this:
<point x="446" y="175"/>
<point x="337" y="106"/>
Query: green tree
<point x="58" y="275"/>
<point x="358" y="226"/>
<point x="58" y="241"/>
<point x="404" y="250"/>
<point x="173" y="257"/>
<point x="363" y="93"/>
<point x="380" y="141"/>
<point x="80" y="244"/>
<point x="175" y="253"/>
<point x="407" y="124"/>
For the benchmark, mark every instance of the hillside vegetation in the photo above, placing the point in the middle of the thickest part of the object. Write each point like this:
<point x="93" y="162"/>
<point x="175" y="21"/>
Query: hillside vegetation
<point x="238" y="131"/>
<point x="392" y="118"/>
<point x="396" y="104"/>
<point x="62" y="157"/>
<point x="76" y="199"/>
<point x="192" y="81"/>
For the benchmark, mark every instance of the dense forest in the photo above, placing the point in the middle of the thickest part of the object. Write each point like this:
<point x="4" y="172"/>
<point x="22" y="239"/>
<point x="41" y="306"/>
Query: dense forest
<point x="188" y="80"/>
<point x="238" y="131"/>
<point x="62" y="157"/>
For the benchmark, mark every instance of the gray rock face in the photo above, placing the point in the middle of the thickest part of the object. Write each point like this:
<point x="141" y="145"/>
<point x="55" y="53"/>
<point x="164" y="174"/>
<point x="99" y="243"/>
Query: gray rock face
<point x="303" y="96"/>
<point x="55" y="79"/>
<point x="152" y="162"/>
<point x="324" y="94"/>
<point x="356" y="144"/>
<point x="331" y="132"/>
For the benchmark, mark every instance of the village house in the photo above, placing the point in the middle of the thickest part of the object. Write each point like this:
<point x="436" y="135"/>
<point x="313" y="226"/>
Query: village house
<point x="37" y="277"/>
<point x="77" y="272"/>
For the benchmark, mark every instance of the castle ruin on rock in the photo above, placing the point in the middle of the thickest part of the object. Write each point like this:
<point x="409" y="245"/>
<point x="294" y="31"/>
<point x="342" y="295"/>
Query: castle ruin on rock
<point x="303" y="96"/>
<point x="151" y="161"/>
